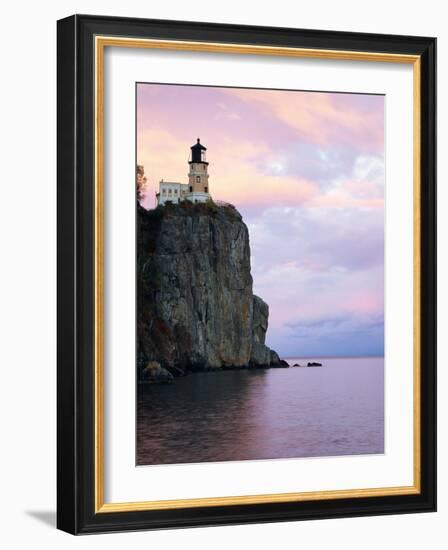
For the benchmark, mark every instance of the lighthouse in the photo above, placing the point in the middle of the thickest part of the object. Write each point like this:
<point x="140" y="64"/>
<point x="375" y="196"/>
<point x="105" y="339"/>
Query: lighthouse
<point x="197" y="189"/>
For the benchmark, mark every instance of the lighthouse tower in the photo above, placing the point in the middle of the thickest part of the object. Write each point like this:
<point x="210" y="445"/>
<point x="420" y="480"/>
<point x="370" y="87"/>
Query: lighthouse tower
<point x="198" y="187"/>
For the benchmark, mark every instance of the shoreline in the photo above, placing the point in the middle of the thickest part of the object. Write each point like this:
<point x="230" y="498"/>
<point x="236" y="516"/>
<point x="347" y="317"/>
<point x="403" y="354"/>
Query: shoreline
<point x="162" y="375"/>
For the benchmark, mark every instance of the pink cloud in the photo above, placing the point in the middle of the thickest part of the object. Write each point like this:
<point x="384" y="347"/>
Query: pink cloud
<point x="324" y="118"/>
<point x="342" y="199"/>
<point x="236" y="180"/>
<point x="305" y="169"/>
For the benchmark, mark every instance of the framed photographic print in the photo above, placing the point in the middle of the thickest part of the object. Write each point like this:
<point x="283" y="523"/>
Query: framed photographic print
<point x="246" y="274"/>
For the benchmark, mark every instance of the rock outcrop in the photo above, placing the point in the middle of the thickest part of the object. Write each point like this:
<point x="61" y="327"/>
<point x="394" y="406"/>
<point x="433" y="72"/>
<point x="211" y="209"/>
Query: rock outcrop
<point x="196" y="308"/>
<point x="153" y="373"/>
<point x="260" y="354"/>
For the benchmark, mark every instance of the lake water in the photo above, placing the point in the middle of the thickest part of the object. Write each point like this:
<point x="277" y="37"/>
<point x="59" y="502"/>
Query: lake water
<point x="337" y="409"/>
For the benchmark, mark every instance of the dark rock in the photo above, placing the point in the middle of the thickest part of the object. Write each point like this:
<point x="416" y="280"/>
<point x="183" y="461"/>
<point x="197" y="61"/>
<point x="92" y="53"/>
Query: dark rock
<point x="314" y="364"/>
<point x="276" y="362"/>
<point x="296" y="365"/>
<point x="153" y="373"/>
<point x="260" y="319"/>
<point x="260" y="355"/>
<point x="196" y="308"/>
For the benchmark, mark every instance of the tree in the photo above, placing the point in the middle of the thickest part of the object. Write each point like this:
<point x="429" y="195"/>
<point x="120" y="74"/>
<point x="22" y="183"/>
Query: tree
<point x="141" y="181"/>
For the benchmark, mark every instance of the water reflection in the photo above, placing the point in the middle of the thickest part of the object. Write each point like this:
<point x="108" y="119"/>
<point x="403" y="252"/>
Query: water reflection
<point x="279" y="413"/>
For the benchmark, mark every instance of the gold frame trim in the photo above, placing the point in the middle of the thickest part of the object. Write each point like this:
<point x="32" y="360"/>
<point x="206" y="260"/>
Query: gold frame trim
<point x="101" y="42"/>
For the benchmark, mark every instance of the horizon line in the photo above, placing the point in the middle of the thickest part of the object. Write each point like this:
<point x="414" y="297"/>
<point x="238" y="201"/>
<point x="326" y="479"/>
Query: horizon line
<point x="330" y="356"/>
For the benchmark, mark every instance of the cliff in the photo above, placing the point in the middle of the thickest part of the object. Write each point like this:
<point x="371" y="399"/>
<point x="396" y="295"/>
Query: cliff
<point x="196" y="308"/>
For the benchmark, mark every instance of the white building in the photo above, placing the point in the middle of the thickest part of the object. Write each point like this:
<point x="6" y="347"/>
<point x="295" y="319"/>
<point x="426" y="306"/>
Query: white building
<point x="171" y="191"/>
<point x="197" y="189"/>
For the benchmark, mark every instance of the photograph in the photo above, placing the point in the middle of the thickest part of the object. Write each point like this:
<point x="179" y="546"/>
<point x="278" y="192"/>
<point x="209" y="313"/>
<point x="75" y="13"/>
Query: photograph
<point x="259" y="274"/>
<point x="246" y="264"/>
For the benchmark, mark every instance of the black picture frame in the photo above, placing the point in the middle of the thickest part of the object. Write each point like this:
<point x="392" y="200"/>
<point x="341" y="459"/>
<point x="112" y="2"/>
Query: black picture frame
<point x="76" y="512"/>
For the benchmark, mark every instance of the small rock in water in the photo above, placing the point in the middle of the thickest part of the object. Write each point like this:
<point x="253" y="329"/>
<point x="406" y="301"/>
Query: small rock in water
<point x="153" y="373"/>
<point x="314" y="364"/>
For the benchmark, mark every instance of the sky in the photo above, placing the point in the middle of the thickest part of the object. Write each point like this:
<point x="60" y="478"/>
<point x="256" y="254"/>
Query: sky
<point x="306" y="171"/>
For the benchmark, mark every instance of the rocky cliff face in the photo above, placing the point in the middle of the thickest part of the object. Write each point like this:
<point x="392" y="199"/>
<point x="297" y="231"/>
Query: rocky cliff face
<point x="196" y="309"/>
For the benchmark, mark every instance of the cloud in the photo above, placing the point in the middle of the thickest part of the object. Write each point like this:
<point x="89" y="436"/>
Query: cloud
<point x="340" y="325"/>
<point x="317" y="239"/>
<point x="233" y="177"/>
<point x="314" y="265"/>
<point x="310" y="161"/>
<point x="256" y="154"/>
<point x="224" y="113"/>
<point x="347" y="333"/>
<point x="306" y="170"/>
<point x="324" y="118"/>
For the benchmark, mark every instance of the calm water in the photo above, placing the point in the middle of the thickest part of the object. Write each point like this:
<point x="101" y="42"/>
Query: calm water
<point x="277" y="413"/>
